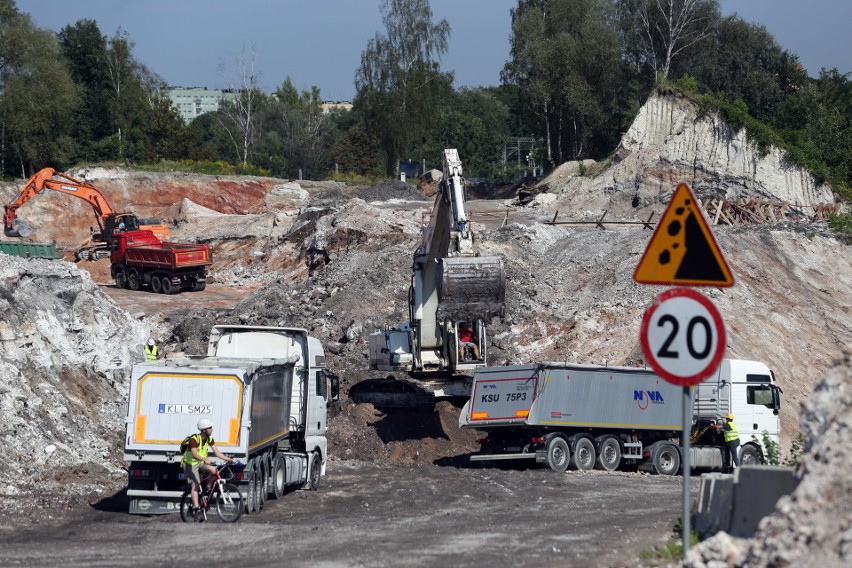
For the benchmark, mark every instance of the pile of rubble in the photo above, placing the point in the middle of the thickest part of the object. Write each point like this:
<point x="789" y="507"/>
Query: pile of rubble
<point x="65" y="356"/>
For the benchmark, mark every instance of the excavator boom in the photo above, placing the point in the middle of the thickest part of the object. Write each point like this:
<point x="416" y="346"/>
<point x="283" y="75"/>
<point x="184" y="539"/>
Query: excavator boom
<point x="451" y="285"/>
<point x="48" y="178"/>
<point x="108" y="220"/>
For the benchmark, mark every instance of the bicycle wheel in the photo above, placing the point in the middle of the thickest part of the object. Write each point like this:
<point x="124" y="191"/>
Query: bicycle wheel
<point x="186" y="515"/>
<point x="229" y="505"/>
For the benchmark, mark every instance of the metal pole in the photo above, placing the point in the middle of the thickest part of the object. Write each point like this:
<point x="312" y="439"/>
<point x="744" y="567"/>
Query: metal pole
<point x="687" y="432"/>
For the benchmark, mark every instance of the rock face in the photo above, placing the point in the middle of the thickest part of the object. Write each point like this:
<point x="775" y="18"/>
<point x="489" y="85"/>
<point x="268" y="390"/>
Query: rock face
<point x="671" y="142"/>
<point x="65" y="355"/>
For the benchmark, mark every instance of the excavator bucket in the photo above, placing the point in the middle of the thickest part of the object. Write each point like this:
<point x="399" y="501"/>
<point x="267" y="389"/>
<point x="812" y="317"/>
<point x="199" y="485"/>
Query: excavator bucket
<point x="18" y="228"/>
<point x="471" y="288"/>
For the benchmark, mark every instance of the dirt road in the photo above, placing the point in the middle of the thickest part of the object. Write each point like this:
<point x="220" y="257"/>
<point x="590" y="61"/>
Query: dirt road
<point x="366" y="514"/>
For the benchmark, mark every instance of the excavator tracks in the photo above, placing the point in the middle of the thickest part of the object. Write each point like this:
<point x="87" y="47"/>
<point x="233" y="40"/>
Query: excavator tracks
<point x="392" y="393"/>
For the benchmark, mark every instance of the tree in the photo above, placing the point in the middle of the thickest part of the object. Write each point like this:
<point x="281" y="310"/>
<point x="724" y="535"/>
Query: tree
<point x="85" y="50"/>
<point x="242" y="110"/>
<point x="744" y="61"/>
<point x="670" y="26"/>
<point x="566" y="57"/>
<point x="38" y="96"/>
<point x="399" y="73"/>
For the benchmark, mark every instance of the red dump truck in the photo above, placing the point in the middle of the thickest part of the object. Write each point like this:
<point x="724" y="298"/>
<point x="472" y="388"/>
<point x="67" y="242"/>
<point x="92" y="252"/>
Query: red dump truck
<point x="141" y="259"/>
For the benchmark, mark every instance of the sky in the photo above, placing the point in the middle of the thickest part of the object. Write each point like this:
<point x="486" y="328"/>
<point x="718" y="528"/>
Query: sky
<point x="319" y="42"/>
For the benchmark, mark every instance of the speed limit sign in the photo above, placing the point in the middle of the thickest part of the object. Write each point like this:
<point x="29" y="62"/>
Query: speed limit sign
<point x="683" y="337"/>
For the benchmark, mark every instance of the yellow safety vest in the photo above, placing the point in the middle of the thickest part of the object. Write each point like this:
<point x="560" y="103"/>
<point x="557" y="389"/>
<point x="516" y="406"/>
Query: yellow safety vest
<point x="202" y="450"/>
<point x="151" y="352"/>
<point x="731" y="435"/>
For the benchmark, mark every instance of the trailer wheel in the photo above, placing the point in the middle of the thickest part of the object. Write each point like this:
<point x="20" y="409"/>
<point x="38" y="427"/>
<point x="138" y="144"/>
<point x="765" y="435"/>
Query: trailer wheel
<point x="133" y="280"/>
<point x="584" y="456"/>
<point x="156" y="284"/>
<point x="260" y="487"/>
<point x="316" y="472"/>
<point x="251" y="488"/>
<point x="558" y="454"/>
<point x="749" y="455"/>
<point x="609" y="453"/>
<point x="279" y="476"/>
<point x="665" y="460"/>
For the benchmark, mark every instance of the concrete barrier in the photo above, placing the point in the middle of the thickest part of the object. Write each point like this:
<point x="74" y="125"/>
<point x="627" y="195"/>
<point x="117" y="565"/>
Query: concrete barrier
<point x="736" y="503"/>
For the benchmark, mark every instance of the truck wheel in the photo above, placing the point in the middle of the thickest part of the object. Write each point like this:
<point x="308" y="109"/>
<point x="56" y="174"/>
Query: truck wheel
<point x="156" y="284"/>
<point x="316" y="472"/>
<point x="609" y="453"/>
<point x="133" y="280"/>
<point x="199" y="286"/>
<point x="584" y="456"/>
<point x="167" y="286"/>
<point x="558" y="454"/>
<point x="749" y="455"/>
<point x="120" y="279"/>
<point x="665" y="460"/>
<point x="279" y="476"/>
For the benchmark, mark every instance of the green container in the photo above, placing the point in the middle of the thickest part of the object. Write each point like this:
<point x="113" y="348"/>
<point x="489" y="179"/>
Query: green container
<point x="29" y="250"/>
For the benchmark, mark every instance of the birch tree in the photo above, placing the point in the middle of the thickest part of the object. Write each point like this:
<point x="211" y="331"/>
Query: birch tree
<point x="241" y="112"/>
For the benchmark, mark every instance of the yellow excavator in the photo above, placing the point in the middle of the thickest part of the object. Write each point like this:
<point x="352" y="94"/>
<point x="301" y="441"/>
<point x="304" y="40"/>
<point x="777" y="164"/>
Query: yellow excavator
<point x="454" y="292"/>
<point x="108" y="220"/>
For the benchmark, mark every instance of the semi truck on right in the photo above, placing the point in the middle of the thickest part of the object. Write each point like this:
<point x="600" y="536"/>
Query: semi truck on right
<point x="612" y="418"/>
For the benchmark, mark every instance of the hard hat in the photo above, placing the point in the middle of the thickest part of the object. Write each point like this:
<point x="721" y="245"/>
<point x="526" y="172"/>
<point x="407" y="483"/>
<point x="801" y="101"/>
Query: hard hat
<point x="729" y="416"/>
<point x="204" y="424"/>
<point x="150" y="342"/>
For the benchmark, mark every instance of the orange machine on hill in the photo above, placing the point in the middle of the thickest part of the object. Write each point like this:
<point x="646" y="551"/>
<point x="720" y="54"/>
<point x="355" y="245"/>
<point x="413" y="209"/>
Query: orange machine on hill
<point x="109" y="221"/>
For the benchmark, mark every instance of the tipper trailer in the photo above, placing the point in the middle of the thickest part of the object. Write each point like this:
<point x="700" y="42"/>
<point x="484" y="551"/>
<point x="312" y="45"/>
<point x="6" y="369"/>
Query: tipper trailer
<point x="588" y="416"/>
<point x="264" y="388"/>
<point x="139" y="258"/>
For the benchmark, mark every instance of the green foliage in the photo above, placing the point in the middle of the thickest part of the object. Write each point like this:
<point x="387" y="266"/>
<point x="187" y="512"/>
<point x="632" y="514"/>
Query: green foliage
<point x="794" y="456"/>
<point x="205" y="167"/>
<point x="687" y="83"/>
<point x="770" y="450"/>
<point x="670" y="551"/>
<point x="842" y="226"/>
<point x="355" y="178"/>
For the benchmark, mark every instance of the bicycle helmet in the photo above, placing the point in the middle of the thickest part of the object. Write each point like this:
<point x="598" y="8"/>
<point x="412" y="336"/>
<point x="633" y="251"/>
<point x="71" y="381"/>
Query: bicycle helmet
<point x="204" y="424"/>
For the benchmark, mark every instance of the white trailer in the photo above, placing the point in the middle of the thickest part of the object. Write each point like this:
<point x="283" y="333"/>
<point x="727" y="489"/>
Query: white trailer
<point x="612" y="417"/>
<point x="264" y="388"/>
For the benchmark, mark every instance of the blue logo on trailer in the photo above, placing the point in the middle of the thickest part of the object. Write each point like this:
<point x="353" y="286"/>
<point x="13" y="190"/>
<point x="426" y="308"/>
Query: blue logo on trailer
<point x="162" y="409"/>
<point x="647" y="397"/>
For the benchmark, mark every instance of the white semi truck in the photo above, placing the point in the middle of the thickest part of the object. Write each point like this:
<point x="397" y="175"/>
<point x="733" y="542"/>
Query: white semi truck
<point x="612" y="417"/>
<point x="265" y="389"/>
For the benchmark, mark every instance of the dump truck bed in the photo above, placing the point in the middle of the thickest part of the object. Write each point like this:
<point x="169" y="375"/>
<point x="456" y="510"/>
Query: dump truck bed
<point x="248" y="402"/>
<point x="558" y="394"/>
<point x="168" y="256"/>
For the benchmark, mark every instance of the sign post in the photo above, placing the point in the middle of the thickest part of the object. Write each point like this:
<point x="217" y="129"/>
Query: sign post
<point x="682" y="335"/>
<point x="683" y="340"/>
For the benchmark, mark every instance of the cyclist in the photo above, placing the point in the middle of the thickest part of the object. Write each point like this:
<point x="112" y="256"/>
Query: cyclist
<point x="195" y="459"/>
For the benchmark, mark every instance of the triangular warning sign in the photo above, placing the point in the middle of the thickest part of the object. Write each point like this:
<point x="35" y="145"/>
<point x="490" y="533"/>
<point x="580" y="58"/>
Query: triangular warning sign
<point x="682" y="250"/>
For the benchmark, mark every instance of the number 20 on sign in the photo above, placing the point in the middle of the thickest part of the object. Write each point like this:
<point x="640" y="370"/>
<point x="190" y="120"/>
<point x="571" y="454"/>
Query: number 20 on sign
<point x="683" y="336"/>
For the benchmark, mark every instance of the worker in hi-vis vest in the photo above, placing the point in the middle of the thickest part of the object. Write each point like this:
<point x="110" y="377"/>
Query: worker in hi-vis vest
<point x="151" y="351"/>
<point x="732" y="441"/>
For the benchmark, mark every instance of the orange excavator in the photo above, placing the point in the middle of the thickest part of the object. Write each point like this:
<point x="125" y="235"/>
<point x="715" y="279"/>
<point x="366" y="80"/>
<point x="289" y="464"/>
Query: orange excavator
<point x="109" y="222"/>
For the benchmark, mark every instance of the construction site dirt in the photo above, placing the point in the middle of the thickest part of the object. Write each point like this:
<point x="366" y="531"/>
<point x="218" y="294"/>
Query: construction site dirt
<point x="367" y="514"/>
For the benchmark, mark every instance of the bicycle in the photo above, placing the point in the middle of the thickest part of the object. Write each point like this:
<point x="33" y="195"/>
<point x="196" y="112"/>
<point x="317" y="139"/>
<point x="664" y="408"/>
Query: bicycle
<point x="226" y="496"/>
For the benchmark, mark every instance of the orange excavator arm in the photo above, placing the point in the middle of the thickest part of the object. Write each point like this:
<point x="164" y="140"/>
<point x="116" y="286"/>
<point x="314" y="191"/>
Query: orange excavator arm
<point x="57" y="181"/>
